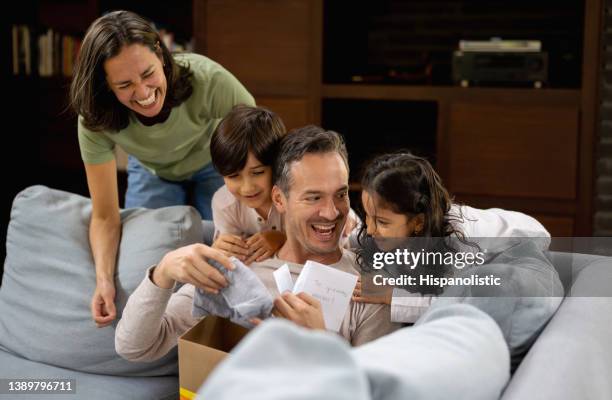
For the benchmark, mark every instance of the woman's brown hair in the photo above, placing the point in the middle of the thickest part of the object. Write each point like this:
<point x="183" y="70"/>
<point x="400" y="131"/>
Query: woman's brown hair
<point x="90" y="96"/>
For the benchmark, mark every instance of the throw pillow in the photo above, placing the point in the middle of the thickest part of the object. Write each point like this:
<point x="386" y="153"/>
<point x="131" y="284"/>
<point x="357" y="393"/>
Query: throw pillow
<point x="49" y="278"/>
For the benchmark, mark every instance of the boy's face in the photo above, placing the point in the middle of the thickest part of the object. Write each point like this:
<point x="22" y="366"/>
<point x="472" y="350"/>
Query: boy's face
<point x="251" y="185"/>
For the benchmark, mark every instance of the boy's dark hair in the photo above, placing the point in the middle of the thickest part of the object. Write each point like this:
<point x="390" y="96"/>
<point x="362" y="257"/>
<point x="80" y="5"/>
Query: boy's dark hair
<point x="90" y="95"/>
<point x="244" y="129"/>
<point x="299" y="142"/>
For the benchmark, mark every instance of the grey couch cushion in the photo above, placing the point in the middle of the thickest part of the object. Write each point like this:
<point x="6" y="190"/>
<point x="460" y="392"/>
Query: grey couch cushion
<point x="569" y="265"/>
<point x="528" y="297"/>
<point x="49" y="278"/>
<point x="455" y="353"/>
<point x="572" y="358"/>
<point x="88" y="386"/>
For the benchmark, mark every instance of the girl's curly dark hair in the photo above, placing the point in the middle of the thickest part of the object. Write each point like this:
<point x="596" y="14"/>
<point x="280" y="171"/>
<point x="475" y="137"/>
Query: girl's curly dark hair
<point x="408" y="185"/>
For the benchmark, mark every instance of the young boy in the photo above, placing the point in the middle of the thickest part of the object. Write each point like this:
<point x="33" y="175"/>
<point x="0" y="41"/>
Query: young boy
<point x="243" y="148"/>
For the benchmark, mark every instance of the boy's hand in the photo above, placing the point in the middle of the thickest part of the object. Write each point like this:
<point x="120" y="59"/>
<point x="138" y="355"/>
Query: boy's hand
<point x="232" y="245"/>
<point x="382" y="296"/>
<point x="263" y="245"/>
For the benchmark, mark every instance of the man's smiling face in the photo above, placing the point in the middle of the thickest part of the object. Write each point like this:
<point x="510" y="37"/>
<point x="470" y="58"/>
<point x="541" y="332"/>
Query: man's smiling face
<point x="317" y="204"/>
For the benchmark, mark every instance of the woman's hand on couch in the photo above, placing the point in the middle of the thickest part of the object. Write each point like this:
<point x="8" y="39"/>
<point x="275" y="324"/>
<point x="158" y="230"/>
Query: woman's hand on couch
<point x="103" y="304"/>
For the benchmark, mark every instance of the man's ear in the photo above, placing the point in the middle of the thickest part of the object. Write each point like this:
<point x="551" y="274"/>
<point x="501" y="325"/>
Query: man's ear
<point x="419" y="223"/>
<point x="279" y="200"/>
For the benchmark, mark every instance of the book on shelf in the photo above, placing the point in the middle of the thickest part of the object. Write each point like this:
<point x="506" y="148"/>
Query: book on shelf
<point x="15" y="48"/>
<point x="45" y="53"/>
<point x="48" y="53"/>
<point x="21" y="51"/>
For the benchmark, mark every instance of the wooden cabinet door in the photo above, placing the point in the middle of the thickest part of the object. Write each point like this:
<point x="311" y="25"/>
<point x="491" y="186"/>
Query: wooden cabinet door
<point x="295" y="113"/>
<point x="513" y="150"/>
<point x="266" y="44"/>
<point x="272" y="46"/>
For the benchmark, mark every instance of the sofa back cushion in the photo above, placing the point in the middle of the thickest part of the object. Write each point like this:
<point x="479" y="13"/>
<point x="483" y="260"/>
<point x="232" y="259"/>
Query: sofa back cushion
<point x="529" y="294"/>
<point x="49" y="278"/>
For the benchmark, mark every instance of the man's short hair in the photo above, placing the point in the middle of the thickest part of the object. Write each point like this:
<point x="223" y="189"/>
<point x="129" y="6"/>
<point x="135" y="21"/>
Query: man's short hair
<point x="299" y="142"/>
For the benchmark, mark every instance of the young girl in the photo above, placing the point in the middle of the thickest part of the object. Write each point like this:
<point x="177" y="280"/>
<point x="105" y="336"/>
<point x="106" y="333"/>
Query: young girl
<point x="404" y="197"/>
<point x="243" y="149"/>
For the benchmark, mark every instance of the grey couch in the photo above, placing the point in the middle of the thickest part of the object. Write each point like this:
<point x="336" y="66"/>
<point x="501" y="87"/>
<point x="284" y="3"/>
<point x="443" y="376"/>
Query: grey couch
<point x="572" y="357"/>
<point x="46" y="330"/>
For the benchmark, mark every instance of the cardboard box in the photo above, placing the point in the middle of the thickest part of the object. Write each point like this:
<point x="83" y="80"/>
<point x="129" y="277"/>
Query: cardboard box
<point x="201" y="348"/>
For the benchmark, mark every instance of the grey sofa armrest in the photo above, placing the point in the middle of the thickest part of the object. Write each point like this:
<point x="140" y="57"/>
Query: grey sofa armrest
<point x="572" y="358"/>
<point x="569" y="265"/>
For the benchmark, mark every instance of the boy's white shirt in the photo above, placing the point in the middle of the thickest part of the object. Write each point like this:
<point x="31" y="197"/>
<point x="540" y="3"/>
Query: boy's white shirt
<point x="230" y="216"/>
<point x="407" y="307"/>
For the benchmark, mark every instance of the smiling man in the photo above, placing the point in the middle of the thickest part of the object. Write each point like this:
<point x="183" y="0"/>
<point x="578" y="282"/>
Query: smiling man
<point x="311" y="192"/>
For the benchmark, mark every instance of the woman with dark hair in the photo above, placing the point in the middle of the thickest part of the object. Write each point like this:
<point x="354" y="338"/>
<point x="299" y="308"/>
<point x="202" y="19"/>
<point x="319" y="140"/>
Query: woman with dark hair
<point x="161" y="109"/>
<point x="403" y="197"/>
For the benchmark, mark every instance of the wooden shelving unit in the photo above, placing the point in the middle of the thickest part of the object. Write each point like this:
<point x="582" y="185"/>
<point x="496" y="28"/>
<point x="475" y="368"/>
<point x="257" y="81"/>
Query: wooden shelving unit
<point x="568" y="97"/>
<point x="524" y="149"/>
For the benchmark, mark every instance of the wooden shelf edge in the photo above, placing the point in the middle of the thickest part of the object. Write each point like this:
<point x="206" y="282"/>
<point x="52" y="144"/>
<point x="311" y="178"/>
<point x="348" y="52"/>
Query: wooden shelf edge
<point x="568" y="97"/>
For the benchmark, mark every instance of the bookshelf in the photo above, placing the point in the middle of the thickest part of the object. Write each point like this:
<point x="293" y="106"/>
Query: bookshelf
<point x="525" y="149"/>
<point x="59" y="25"/>
<point x="43" y="131"/>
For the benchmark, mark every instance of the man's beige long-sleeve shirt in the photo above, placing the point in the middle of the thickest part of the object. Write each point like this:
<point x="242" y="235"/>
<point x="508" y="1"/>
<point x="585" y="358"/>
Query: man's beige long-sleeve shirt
<point x="154" y="318"/>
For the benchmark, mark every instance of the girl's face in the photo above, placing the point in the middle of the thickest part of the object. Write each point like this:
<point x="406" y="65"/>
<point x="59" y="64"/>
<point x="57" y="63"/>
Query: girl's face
<point x="384" y="223"/>
<point x="252" y="185"/>
<point x="137" y="79"/>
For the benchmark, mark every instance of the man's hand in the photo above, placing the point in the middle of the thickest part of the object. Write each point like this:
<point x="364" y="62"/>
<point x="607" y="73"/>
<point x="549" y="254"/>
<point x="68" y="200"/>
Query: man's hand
<point x="302" y="309"/>
<point x="232" y="245"/>
<point x="263" y="245"/>
<point x="103" y="304"/>
<point x="188" y="265"/>
<point x="382" y="296"/>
